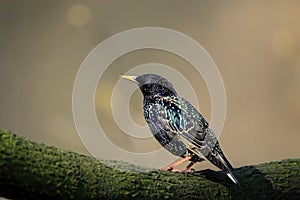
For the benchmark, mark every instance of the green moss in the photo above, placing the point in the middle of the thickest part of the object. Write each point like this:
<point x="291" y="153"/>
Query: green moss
<point x="29" y="170"/>
<point x="37" y="171"/>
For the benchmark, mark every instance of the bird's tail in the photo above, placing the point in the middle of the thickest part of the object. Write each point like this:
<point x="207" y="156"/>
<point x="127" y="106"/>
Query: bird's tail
<point x="226" y="167"/>
<point x="218" y="159"/>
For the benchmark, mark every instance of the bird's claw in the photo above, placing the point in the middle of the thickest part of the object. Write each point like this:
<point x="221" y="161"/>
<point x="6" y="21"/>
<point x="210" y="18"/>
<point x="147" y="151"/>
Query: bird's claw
<point x="169" y="168"/>
<point x="184" y="171"/>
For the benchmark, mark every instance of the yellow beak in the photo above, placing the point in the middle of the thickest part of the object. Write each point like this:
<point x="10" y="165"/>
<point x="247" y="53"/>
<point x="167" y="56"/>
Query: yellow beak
<point x="131" y="78"/>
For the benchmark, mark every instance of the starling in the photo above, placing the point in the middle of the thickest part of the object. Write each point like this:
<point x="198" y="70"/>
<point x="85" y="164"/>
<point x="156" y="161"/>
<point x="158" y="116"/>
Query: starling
<point x="178" y="126"/>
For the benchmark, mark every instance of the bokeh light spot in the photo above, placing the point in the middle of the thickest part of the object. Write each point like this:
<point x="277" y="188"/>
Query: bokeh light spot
<point x="284" y="44"/>
<point x="79" y="15"/>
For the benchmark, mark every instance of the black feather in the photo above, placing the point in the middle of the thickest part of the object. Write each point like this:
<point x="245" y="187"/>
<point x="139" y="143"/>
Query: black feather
<point x="177" y="125"/>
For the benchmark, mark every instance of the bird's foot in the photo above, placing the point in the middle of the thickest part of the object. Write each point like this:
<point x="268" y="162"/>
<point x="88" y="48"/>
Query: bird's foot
<point x="171" y="167"/>
<point x="185" y="170"/>
<point x="168" y="168"/>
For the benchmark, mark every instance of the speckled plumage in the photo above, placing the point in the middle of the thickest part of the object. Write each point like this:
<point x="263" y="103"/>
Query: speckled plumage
<point x="177" y="125"/>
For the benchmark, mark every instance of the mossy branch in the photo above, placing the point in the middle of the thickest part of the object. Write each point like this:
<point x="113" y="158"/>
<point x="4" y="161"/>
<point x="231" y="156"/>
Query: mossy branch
<point x="29" y="170"/>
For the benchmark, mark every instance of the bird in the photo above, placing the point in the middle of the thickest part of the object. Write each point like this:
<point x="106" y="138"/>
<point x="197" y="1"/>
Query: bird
<point x="178" y="126"/>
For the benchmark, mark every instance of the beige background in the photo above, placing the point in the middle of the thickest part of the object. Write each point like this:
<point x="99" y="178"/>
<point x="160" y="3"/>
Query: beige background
<point x="255" y="44"/>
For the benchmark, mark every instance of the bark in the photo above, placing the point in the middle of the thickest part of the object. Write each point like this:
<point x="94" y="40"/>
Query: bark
<point x="29" y="170"/>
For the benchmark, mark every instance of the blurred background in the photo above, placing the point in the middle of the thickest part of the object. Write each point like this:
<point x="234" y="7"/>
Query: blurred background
<point x="255" y="45"/>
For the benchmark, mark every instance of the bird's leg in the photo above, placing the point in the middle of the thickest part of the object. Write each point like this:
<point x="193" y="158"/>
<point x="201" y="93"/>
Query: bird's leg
<point x="187" y="168"/>
<point x="171" y="167"/>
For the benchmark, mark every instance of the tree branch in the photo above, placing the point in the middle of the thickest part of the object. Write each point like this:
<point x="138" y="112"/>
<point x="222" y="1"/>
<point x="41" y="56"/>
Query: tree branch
<point x="29" y="170"/>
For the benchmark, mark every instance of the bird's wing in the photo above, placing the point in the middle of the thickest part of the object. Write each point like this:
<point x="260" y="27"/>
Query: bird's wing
<point x="179" y="117"/>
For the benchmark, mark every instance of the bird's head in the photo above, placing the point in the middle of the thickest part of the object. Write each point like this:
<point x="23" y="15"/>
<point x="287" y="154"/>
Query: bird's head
<point x="152" y="84"/>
